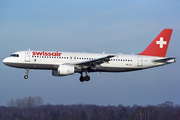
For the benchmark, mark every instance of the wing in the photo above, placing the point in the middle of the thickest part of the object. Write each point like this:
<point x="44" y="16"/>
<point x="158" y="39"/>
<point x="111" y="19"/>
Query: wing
<point x="93" y="63"/>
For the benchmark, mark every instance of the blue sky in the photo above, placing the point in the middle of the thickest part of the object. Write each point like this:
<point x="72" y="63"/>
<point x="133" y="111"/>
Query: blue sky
<point x="89" y="26"/>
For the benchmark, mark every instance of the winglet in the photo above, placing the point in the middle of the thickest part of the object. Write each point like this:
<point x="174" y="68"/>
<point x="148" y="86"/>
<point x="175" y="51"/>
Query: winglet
<point x="159" y="45"/>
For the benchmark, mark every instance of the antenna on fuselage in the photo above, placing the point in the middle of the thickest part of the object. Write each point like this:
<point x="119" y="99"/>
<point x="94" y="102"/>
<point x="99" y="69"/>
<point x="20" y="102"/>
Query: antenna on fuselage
<point x="29" y="49"/>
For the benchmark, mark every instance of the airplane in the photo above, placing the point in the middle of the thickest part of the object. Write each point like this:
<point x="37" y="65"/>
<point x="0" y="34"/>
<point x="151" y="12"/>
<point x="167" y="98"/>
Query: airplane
<point x="68" y="63"/>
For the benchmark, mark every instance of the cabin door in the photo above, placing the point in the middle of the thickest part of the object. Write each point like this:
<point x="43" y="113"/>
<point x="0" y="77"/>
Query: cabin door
<point x="27" y="56"/>
<point x="139" y="61"/>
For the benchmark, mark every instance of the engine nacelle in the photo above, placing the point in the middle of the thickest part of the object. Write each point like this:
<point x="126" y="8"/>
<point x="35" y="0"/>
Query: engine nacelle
<point x="63" y="70"/>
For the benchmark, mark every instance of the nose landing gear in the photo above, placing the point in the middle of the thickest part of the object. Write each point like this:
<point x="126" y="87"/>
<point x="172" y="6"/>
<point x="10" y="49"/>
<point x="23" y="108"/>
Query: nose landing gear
<point x="26" y="76"/>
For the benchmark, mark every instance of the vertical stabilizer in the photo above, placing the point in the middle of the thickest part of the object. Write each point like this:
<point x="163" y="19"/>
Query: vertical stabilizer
<point x="159" y="45"/>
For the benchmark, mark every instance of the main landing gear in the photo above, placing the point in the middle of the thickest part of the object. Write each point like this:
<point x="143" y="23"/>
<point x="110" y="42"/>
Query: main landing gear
<point x="86" y="78"/>
<point x="26" y="76"/>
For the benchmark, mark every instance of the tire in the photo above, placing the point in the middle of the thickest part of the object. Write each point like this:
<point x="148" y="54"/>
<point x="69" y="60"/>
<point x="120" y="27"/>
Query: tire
<point x="81" y="79"/>
<point x="87" y="78"/>
<point x="26" y="77"/>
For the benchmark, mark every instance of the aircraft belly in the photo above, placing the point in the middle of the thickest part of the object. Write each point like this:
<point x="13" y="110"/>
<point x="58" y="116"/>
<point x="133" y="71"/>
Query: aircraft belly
<point x="113" y="69"/>
<point x="33" y="66"/>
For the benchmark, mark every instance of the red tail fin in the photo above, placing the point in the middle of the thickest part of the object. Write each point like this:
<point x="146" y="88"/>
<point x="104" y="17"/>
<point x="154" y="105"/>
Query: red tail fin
<point x="159" y="45"/>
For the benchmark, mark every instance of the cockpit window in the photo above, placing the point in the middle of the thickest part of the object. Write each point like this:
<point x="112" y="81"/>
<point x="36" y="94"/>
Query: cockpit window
<point x="14" y="55"/>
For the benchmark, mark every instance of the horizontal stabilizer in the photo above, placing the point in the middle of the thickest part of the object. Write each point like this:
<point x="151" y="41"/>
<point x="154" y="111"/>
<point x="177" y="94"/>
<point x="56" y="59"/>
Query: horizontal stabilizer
<point x="165" y="60"/>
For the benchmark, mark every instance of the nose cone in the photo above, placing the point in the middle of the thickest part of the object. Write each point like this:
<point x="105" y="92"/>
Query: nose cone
<point x="5" y="61"/>
<point x="8" y="61"/>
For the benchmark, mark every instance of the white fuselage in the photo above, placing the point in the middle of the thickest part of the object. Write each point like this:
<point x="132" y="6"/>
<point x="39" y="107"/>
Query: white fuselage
<point x="68" y="63"/>
<point x="51" y="60"/>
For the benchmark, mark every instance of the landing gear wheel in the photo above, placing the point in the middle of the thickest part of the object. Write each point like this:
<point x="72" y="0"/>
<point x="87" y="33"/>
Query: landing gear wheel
<point x="26" y="77"/>
<point x="87" y="78"/>
<point x="81" y="79"/>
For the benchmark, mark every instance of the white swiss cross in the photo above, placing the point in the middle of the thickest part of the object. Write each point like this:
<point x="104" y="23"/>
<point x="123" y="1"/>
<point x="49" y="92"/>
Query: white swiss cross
<point x="161" y="42"/>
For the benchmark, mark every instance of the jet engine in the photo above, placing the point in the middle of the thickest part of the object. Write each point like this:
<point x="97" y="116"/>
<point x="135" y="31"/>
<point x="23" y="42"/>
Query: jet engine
<point x="63" y="70"/>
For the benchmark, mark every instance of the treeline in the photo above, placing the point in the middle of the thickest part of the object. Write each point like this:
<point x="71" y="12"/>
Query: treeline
<point x="164" y="111"/>
<point x="27" y="102"/>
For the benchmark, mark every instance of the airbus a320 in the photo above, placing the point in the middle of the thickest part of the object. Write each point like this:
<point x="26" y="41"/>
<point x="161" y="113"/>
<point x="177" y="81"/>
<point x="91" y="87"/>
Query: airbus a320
<point x="68" y="63"/>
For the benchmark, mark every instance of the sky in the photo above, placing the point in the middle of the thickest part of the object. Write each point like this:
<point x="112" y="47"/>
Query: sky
<point x="118" y="26"/>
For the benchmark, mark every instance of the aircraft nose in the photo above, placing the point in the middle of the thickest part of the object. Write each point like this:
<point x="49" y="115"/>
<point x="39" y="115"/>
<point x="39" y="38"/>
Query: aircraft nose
<point x="9" y="61"/>
<point x="6" y="61"/>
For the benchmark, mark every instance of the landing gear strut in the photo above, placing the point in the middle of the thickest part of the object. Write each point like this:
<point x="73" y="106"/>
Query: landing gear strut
<point x="81" y="77"/>
<point x="86" y="78"/>
<point x="26" y="76"/>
